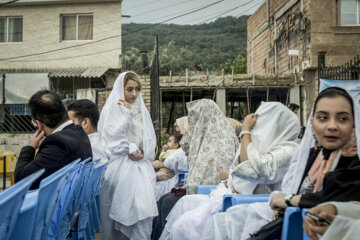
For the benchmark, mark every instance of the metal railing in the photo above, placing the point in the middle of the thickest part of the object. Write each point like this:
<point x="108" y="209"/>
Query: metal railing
<point x="348" y="71"/>
<point x="16" y="119"/>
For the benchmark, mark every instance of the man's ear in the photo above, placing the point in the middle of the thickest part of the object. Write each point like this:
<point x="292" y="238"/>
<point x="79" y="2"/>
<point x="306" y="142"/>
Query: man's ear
<point x="40" y="125"/>
<point x="86" y="124"/>
<point x="178" y="145"/>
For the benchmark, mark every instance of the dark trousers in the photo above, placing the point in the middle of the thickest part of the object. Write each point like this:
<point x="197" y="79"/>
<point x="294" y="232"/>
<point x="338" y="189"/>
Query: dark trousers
<point x="165" y="204"/>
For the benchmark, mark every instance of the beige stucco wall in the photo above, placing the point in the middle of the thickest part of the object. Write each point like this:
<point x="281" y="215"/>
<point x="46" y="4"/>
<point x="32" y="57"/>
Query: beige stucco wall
<point x="41" y="32"/>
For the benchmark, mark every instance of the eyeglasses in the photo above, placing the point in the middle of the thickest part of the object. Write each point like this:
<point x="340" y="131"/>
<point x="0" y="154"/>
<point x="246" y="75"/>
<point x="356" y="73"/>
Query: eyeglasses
<point x="34" y="122"/>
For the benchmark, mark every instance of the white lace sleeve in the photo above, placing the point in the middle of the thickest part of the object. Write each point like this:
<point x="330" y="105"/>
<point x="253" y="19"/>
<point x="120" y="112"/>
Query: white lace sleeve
<point x="266" y="168"/>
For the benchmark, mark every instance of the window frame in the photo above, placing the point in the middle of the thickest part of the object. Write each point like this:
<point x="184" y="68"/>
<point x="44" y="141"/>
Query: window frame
<point x="357" y="15"/>
<point x="77" y="27"/>
<point x="7" y="29"/>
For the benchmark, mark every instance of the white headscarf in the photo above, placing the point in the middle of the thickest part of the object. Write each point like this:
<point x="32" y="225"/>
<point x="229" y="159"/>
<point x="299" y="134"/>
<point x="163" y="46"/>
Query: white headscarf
<point x="109" y="112"/>
<point x="275" y="124"/>
<point x="292" y="179"/>
<point x="182" y="124"/>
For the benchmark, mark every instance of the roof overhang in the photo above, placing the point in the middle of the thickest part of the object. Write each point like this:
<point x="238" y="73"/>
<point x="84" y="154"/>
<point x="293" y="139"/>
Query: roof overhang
<point x="90" y="72"/>
<point x="47" y="2"/>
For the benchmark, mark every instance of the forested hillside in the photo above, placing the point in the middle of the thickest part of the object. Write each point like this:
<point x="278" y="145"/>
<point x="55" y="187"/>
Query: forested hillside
<point x="210" y="44"/>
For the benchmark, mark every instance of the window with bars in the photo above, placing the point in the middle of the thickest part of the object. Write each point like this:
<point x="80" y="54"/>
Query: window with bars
<point x="11" y="29"/>
<point x="350" y="12"/>
<point x="76" y="27"/>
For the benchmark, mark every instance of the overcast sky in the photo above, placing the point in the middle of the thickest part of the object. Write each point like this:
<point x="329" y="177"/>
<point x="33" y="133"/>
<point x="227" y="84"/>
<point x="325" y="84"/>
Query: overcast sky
<point x="156" y="11"/>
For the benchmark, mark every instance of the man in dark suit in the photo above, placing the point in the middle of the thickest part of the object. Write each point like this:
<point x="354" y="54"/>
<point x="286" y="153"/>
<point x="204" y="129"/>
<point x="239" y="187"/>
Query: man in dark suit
<point x="58" y="140"/>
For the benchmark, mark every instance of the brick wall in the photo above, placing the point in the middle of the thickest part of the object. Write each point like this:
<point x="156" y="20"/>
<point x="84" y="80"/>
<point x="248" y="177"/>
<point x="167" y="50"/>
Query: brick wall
<point x="268" y="51"/>
<point x="145" y="82"/>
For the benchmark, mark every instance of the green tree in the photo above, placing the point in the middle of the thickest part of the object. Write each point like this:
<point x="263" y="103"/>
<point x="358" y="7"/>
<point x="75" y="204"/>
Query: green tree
<point x="131" y="61"/>
<point x="238" y="65"/>
<point x="173" y="58"/>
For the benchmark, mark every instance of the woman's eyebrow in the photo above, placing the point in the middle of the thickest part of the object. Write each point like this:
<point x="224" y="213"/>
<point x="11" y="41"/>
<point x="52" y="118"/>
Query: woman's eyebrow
<point x="325" y="112"/>
<point x="339" y="113"/>
<point x="322" y="112"/>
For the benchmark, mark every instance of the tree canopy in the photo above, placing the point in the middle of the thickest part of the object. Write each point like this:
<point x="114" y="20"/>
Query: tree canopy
<point x="209" y="45"/>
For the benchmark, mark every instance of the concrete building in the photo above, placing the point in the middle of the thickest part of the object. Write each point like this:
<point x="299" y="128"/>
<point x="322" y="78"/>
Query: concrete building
<point x="285" y="36"/>
<point x="62" y="45"/>
<point x="77" y="42"/>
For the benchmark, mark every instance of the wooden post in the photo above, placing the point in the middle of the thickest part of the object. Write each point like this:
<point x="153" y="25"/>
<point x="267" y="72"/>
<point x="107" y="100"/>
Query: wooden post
<point x="223" y="76"/>
<point x="232" y="73"/>
<point x="160" y="108"/>
<point x="191" y="94"/>
<point x="248" y="100"/>
<point x="170" y="76"/>
<point x="187" y="77"/>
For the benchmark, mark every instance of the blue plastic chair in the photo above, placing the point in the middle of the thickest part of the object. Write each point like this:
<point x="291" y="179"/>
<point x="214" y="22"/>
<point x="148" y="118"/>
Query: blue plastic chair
<point x="205" y="189"/>
<point x="64" y="205"/>
<point x="10" y="203"/>
<point x="292" y="226"/>
<point x="73" y="203"/>
<point x="303" y="212"/>
<point x="235" y="199"/>
<point x="84" y="222"/>
<point x="49" y="195"/>
<point x="39" y="206"/>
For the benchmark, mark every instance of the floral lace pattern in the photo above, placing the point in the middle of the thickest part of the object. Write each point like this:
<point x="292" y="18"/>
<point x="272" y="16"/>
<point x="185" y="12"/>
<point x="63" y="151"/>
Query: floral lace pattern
<point x="210" y="143"/>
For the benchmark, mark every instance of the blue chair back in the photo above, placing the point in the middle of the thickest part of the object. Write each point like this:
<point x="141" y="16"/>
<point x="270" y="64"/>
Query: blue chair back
<point x="10" y="203"/>
<point x="205" y="189"/>
<point x="64" y="226"/>
<point x="236" y="199"/>
<point x="90" y="192"/>
<point x="63" y="205"/>
<point x="292" y="226"/>
<point x="48" y="197"/>
<point x="26" y="218"/>
<point x="303" y="212"/>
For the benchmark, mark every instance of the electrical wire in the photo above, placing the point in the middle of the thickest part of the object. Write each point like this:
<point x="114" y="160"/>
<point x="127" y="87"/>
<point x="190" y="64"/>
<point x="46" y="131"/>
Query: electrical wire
<point x="111" y="37"/>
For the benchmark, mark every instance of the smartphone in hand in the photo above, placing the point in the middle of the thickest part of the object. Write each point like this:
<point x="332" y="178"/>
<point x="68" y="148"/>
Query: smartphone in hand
<point x="320" y="220"/>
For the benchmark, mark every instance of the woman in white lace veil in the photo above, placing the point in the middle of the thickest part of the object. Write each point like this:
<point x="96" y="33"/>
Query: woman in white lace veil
<point x="127" y="197"/>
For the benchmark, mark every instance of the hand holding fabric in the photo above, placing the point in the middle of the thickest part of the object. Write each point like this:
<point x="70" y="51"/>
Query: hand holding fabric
<point x="137" y="156"/>
<point x="249" y="122"/>
<point x="124" y="102"/>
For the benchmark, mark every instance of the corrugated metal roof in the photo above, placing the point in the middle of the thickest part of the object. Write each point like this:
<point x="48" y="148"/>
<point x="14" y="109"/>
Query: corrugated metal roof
<point x="90" y="72"/>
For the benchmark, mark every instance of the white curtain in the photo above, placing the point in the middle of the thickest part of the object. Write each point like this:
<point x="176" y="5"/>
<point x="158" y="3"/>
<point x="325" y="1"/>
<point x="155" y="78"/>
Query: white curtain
<point x="85" y="27"/>
<point x="68" y="27"/>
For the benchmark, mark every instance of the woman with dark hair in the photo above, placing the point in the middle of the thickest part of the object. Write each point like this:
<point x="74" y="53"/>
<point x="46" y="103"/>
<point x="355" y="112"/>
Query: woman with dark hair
<point x="325" y="168"/>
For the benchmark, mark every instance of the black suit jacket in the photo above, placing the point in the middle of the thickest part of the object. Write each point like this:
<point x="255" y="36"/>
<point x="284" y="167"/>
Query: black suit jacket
<point x="56" y="151"/>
